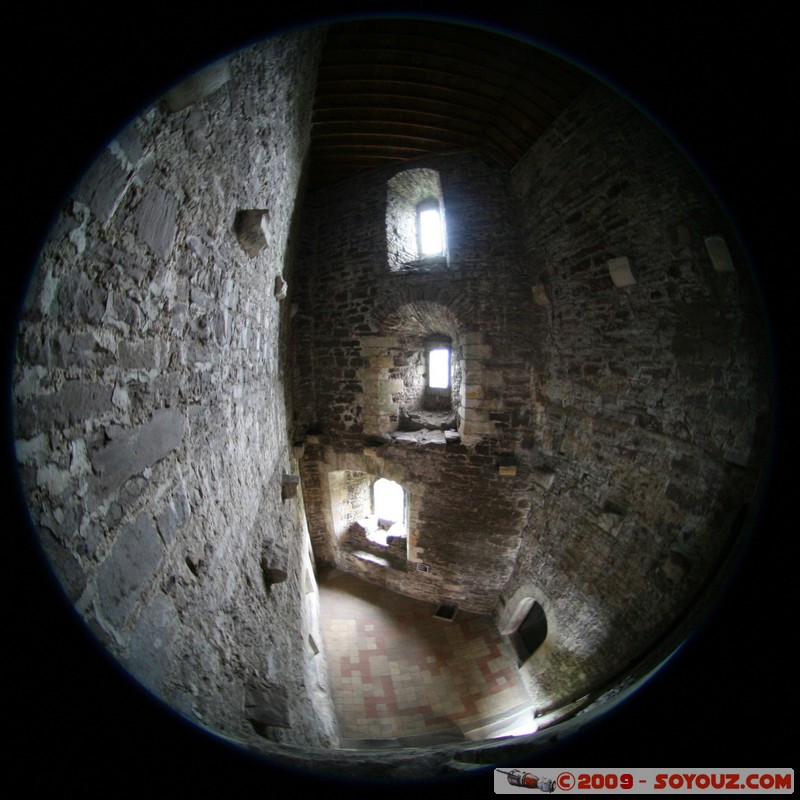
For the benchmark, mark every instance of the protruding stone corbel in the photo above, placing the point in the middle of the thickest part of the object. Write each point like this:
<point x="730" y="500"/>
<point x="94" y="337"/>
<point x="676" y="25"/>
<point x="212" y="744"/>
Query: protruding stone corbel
<point x="266" y="706"/>
<point x="544" y="477"/>
<point x="719" y="254"/>
<point x="506" y="465"/>
<point x="274" y="564"/>
<point x="540" y="297"/>
<point x="274" y="568"/>
<point x="289" y="486"/>
<point x="673" y="569"/>
<point x="620" y="271"/>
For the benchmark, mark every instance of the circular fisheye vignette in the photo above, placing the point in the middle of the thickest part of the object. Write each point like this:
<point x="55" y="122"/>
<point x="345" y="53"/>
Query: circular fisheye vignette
<point x="146" y="527"/>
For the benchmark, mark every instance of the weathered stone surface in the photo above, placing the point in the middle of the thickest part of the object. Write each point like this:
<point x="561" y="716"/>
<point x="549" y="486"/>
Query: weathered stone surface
<point x="122" y="313"/>
<point x="156" y="219"/>
<point x="102" y="186"/>
<point x="266" y="705"/>
<point x="78" y="350"/>
<point x="422" y="437"/>
<point x="128" y="568"/>
<point x="149" y="647"/>
<point x="197" y="130"/>
<point x="130" y="144"/>
<point x="70" y="405"/>
<point x="198" y="86"/>
<point x="173" y="516"/>
<point x="66" y="567"/>
<point x="139" y="355"/>
<point x="150" y="334"/>
<point x="130" y="451"/>
<point x="80" y="297"/>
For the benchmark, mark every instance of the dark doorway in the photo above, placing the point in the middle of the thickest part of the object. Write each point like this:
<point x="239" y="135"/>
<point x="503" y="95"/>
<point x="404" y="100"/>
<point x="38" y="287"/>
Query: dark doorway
<point x="531" y="633"/>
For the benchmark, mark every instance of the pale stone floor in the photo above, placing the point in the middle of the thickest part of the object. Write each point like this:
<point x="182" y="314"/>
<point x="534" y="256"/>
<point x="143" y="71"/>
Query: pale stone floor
<point x="396" y="671"/>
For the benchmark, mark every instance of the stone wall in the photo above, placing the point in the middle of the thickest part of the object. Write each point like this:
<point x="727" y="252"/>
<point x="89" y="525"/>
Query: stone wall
<point x="359" y="337"/>
<point x="608" y="409"/>
<point x="612" y="408"/>
<point x="652" y="380"/>
<point x="151" y="411"/>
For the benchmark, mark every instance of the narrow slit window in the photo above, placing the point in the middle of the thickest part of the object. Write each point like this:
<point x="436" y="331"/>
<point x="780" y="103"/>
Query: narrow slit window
<point x="429" y="228"/>
<point x="438" y="373"/>
<point x="439" y="377"/>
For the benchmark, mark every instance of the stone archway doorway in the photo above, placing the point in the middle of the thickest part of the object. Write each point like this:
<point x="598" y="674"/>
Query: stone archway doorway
<point x="531" y="630"/>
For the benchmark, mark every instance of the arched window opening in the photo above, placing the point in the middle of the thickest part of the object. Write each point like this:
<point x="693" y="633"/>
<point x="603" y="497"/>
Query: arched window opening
<point x="388" y="519"/>
<point x="370" y="517"/>
<point x="389" y="501"/>
<point x="416" y="235"/>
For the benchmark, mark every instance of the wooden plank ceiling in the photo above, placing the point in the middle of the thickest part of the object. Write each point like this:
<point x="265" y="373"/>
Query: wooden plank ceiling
<point x="391" y="91"/>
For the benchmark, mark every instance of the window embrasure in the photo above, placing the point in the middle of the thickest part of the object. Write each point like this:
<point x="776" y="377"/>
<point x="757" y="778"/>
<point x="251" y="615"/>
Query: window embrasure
<point x="415" y="221"/>
<point x="368" y="512"/>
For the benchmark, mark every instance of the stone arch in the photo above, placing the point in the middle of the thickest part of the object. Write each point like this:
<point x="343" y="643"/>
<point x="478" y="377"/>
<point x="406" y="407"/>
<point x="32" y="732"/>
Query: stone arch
<point x="414" y="317"/>
<point x="345" y="478"/>
<point x="513" y="613"/>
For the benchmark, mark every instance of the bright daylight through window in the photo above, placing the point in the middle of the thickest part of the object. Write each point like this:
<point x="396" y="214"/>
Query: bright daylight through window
<point x="439" y="377"/>
<point x="430" y="230"/>
<point x="389" y="501"/>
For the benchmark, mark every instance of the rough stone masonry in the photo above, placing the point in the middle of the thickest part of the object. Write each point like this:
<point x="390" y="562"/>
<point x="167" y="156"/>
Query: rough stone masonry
<point x="151" y="404"/>
<point x="610" y="400"/>
<point x="199" y="332"/>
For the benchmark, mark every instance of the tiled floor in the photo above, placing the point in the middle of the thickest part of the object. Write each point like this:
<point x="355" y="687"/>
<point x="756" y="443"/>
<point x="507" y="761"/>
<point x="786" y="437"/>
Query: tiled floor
<point x="397" y="672"/>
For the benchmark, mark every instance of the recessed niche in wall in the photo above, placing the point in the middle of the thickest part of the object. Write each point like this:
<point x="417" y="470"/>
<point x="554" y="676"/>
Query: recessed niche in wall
<point x="369" y="514"/>
<point x="415" y="220"/>
<point x="719" y="253"/>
